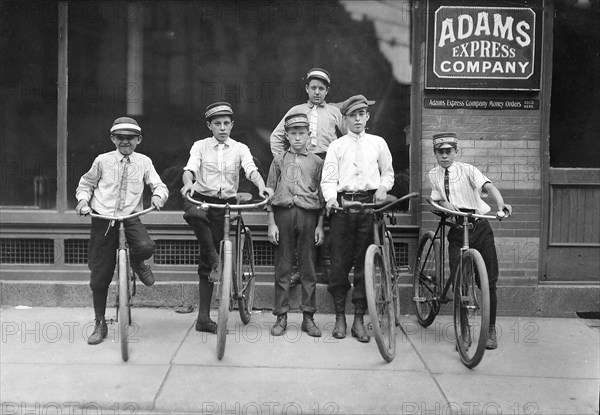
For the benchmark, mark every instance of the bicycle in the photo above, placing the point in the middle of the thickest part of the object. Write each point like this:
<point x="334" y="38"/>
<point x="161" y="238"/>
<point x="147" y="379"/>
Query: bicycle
<point x="125" y="277"/>
<point x="471" y="309"/>
<point x="241" y="288"/>
<point x="382" y="274"/>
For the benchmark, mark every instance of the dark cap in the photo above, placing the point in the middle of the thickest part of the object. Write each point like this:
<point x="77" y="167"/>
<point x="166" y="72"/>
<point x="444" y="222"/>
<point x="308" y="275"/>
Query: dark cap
<point x="218" y="108"/>
<point x="296" y="120"/>
<point x="318" y="73"/>
<point x="125" y="126"/>
<point x="445" y="140"/>
<point x="354" y="103"/>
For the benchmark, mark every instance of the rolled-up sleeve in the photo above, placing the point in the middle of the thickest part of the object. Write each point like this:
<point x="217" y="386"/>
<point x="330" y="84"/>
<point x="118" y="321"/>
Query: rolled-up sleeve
<point x="246" y="160"/>
<point x="194" y="161"/>
<point x="153" y="180"/>
<point x="330" y="175"/>
<point x="88" y="182"/>
<point x="386" y="168"/>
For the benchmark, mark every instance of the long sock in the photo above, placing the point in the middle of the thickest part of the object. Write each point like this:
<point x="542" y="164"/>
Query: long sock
<point x="205" y="290"/>
<point x="493" y="306"/>
<point x="99" y="298"/>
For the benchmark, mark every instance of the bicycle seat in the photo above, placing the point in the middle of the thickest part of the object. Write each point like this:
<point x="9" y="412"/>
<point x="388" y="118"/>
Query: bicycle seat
<point x="243" y="198"/>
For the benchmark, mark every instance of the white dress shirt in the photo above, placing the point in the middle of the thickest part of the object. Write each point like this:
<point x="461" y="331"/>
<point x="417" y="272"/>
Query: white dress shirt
<point x="466" y="186"/>
<point x="216" y="167"/>
<point x="106" y="191"/>
<point x="357" y="163"/>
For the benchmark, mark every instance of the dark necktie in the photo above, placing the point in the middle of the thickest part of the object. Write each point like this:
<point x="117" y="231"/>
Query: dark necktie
<point x="447" y="184"/>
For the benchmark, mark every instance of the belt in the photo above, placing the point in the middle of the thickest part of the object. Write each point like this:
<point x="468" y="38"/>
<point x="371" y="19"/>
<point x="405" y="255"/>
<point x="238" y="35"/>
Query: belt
<point x="365" y="196"/>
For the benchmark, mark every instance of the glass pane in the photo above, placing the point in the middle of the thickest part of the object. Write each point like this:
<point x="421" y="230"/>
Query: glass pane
<point x="574" y="121"/>
<point x="28" y="74"/>
<point x="164" y="62"/>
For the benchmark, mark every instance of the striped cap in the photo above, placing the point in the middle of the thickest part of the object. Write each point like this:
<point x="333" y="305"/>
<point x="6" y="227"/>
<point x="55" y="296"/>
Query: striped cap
<point x="318" y="73"/>
<point x="218" y="108"/>
<point x="125" y="126"/>
<point x="445" y="140"/>
<point x="296" y="120"/>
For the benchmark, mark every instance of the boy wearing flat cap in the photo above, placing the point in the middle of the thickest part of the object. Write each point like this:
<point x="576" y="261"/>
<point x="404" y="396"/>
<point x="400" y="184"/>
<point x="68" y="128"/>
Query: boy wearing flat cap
<point x="114" y="187"/>
<point x="212" y="175"/>
<point x="459" y="186"/>
<point x="358" y="166"/>
<point x="295" y="219"/>
<point x="325" y="120"/>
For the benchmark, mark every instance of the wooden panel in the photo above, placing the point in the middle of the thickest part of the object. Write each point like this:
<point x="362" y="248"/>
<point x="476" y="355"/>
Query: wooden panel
<point x="574" y="213"/>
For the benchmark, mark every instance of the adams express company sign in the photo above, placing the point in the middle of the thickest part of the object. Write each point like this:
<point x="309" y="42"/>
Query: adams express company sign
<point x="483" y="45"/>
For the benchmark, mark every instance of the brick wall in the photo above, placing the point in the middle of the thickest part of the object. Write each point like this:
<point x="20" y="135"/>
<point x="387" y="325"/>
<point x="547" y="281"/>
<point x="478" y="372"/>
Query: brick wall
<point x="505" y="146"/>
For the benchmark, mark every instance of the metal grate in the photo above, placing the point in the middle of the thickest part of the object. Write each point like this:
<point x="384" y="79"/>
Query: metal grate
<point x="401" y="250"/>
<point x="176" y="252"/>
<point x="76" y="251"/>
<point x="263" y="253"/>
<point x="27" y="251"/>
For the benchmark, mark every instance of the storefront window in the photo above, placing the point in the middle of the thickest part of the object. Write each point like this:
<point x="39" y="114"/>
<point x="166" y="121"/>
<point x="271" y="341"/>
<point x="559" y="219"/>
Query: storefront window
<point x="574" y="121"/>
<point x="164" y="62"/>
<point x="28" y="74"/>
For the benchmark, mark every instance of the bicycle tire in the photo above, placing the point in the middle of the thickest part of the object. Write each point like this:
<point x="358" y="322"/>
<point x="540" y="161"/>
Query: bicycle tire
<point x="124" y="318"/>
<point x="245" y="276"/>
<point x="380" y="302"/>
<point x="427" y="279"/>
<point x="225" y="302"/>
<point x="395" y="276"/>
<point x="475" y="301"/>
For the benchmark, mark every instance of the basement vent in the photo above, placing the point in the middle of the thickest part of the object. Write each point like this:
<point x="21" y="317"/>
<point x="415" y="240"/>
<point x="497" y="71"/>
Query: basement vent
<point x="76" y="251"/>
<point x="26" y="251"/>
<point x="176" y="252"/>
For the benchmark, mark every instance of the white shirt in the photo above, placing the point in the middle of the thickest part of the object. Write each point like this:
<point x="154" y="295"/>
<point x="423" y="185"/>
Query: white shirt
<point x="357" y="163"/>
<point x="465" y="183"/>
<point x="104" y="185"/>
<point x="218" y="175"/>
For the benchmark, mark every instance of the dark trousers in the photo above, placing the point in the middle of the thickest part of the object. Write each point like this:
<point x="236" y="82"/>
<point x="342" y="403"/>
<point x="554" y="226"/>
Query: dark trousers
<point x="102" y="248"/>
<point x="208" y="228"/>
<point x="481" y="237"/>
<point x="296" y="235"/>
<point x="350" y="235"/>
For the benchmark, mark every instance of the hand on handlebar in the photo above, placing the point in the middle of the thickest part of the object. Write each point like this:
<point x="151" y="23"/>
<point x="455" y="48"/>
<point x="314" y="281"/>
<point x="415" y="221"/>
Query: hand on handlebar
<point x="380" y="195"/>
<point x="156" y="202"/>
<point x="187" y="188"/>
<point x="505" y="209"/>
<point x="267" y="193"/>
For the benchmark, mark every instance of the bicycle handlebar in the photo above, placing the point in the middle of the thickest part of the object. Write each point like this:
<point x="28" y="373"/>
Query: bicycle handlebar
<point x="205" y="205"/>
<point x="86" y="210"/>
<point x="499" y="215"/>
<point x="377" y="207"/>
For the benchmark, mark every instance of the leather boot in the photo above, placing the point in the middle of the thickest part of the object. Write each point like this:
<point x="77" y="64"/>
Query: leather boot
<point x="492" y="341"/>
<point x="100" y="331"/>
<point x="280" y="325"/>
<point x="358" y="329"/>
<point x="204" y="323"/>
<point x="309" y="326"/>
<point x="339" y="330"/>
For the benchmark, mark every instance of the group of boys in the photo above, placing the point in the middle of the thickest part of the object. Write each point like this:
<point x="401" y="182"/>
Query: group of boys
<point x="312" y="172"/>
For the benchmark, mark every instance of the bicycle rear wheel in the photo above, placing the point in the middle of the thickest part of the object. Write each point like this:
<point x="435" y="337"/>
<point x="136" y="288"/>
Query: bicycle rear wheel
<point x="380" y="302"/>
<point x="244" y="277"/>
<point x="123" y="301"/>
<point x="427" y="279"/>
<point x="225" y="301"/>
<point x="389" y="241"/>
<point x="471" y="308"/>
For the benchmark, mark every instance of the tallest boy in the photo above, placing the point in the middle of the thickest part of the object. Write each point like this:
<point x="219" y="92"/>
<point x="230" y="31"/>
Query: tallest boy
<point x="325" y="120"/>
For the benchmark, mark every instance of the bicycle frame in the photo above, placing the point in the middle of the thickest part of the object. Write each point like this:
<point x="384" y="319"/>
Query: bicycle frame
<point x="125" y="277"/>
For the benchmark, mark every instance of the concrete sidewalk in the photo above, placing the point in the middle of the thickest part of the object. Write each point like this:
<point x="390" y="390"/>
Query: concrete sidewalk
<point x="543" y="366"/>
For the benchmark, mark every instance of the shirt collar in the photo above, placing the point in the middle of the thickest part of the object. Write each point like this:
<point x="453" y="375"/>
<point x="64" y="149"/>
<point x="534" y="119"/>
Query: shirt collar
<point x="216" y="142"/>
<point x="355" y="136"/>
<point x="304" y="153"/>
<point x="310" y="104"/>
<point x="120" y="156"/>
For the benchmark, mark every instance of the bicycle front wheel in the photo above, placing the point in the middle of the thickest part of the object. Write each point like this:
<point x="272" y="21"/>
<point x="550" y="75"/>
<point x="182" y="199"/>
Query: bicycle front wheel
<point x="471" y="308"/>
<point x="427" y="279"/>
<point x="226" y="259"/>
<point x="123" y="300"/>
<point x="245" y="280"/>
<point x="380" y="302"/>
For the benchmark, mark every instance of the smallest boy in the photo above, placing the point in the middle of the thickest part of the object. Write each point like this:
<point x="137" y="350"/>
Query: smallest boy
<point x="459" y="186"/>
<point x="295" y="219"/>
<point x="114" y="186"/>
